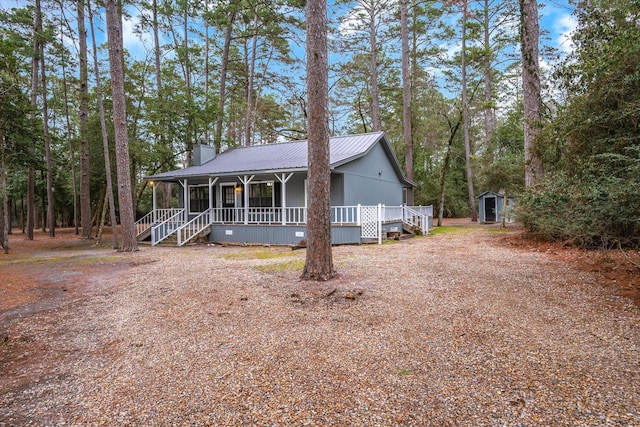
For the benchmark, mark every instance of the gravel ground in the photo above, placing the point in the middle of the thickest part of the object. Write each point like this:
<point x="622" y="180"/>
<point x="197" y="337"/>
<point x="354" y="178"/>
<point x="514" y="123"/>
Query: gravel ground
<point x="449" y="329"/>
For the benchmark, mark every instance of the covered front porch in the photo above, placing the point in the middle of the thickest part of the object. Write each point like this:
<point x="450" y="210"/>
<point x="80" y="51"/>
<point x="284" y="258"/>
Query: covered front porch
<point x="282" y="225"/>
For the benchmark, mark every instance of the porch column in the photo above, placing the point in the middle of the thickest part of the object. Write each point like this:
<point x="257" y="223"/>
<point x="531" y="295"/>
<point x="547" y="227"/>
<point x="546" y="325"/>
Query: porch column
<point x="283" y="193"/>
<point x="186" y="200"/>
<point x="155" y="214"/>
<point x="379" y="223"/>
<point x="212" y="182"/>
<point x="246" y="182"/>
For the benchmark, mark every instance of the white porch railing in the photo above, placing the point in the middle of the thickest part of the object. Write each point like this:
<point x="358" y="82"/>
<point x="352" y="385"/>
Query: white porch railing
<point x="164" y="229"/>
<point x="194" y="227"/>
<point x="415" y="218"/>
<point x="156" y="216"/>
<point x="164" y="222"/>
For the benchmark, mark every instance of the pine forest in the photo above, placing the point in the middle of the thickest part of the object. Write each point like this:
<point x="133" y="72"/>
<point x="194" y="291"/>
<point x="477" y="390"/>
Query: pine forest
<point x="473" y="95"/>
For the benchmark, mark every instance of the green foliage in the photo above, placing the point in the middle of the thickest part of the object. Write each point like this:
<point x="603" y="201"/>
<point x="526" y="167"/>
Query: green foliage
<point x="502" y="162"/>
<point x="592" y="195"/>
<point x="601" y="211"/>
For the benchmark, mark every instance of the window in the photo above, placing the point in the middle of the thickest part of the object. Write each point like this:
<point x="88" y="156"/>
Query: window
<point x="228" y="196"/>
<point x="198" y="198"/>
<point x="266" y="194"/>
<point x="261" y="195"/>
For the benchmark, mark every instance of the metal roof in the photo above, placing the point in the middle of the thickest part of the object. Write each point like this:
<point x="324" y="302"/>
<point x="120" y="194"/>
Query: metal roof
<point x="280" y="157"/>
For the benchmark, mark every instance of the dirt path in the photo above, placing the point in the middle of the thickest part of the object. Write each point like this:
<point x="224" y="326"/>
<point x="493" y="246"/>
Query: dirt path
<point x="474" y="326"/>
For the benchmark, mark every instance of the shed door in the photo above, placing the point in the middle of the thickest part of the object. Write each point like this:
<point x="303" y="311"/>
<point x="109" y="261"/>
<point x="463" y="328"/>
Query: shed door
<point x="490" y="209"/>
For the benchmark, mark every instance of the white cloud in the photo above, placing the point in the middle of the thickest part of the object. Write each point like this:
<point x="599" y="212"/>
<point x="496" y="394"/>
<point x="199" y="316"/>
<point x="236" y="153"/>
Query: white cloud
<point x="564" y="27"/>
<point x="134" y="42"/>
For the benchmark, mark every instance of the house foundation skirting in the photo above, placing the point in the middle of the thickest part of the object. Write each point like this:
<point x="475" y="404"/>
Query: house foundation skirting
<point x="279" y="234"/>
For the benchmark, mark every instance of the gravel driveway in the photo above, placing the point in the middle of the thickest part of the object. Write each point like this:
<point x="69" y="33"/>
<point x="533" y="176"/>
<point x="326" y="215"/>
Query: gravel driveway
<point x="448" y="329"/>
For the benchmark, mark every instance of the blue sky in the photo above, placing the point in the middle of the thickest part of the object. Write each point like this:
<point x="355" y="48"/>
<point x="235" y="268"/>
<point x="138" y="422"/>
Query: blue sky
<point x="555" y="18"/>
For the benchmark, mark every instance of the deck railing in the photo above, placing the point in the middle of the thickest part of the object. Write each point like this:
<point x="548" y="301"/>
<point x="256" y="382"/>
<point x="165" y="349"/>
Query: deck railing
<point x="145" y="223"/>
<point x="164" y="229"/>
<point x="164" y="222"/>
<point x="194" y="227"/>
<point x="415" y="218"/>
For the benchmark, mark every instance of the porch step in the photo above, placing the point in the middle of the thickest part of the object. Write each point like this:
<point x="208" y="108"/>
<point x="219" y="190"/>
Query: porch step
<point x="171" y="240"/>
<point x="144" y="235"/>
<point x="410" y="229"/>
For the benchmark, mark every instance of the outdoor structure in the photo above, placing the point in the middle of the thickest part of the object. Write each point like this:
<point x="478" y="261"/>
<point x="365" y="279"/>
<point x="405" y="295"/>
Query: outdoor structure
<point x="258" y="194"/>
<point x="493" y="206"/>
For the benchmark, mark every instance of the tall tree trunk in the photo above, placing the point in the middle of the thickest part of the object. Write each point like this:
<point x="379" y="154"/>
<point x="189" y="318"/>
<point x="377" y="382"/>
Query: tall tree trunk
<point x="376" y="123"/>
<point x="72" y="155"/>
<point x="206" y="75"/>
<point x="156" y="47"/>
<point x="6" y="223"/>
<point x="31" y="173"/>
<point x="319" y="261"/>
<point x="407" y="132"/>
<point x="103" y="216"/>
<point x="224" y="63"/>
<point x="116" y="62"/>
<point x="453" y="129"/>
<point x="192" y="136"/>
<point x="51" y="211"/>
<point x="160" y="138"/>
<point x="529" y="35"/>
<point x="465" y="117"/>
<point x="250" y="78"/>
<point x="85" y="172"/>
<point x="489" y="112"/>
<point x="185" y="64"/>
<point x="158" y="71"/>
<point x="105" y="139"/>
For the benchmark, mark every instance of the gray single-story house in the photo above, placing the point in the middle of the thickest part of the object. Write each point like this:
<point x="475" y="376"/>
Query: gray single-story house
<point x="493" y="206"/>
<point x="258" y="194"/>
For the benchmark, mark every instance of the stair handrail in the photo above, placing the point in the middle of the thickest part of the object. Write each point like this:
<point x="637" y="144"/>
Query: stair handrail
<point x="145" y="223"/>
<point x="409" y="216"/>
<point x="194" y="227"/>
<point x="165" y="228"/>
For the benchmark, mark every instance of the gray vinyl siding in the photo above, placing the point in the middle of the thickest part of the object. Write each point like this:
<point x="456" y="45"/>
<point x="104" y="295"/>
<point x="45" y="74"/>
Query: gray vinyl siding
<point x="295" y="190"/>
<point x="337" y="190"/>
<point x="278" y="234"/>
<point x="371" y="180"/>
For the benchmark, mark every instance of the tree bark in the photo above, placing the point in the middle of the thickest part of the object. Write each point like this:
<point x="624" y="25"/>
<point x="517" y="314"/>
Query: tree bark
<point x="31" y="173"/>
<point x="72" y="155"/>
<point x="465" y="117"/>
<point x="105" y="141"/>
<point x="85" y="172"/>
<point x="224" y="63"/>
<point x="407" y="131"/>
<point x="529" y="35"/>
<point x="489" y="112"/>
<point x="248" y="117"/>
<point x="453" y="129"/>
<point x="319" y="262"/>
<point x="6" y="223"/>
<point x="376" y="123"/>
<point x="116" y="62"/>
<point x="51" y="211"/>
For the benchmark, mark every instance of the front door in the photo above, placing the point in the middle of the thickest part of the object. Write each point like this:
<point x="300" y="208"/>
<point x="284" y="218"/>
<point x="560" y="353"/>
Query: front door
<point x="229" y="198"/>
<point x="489" y="209"/>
